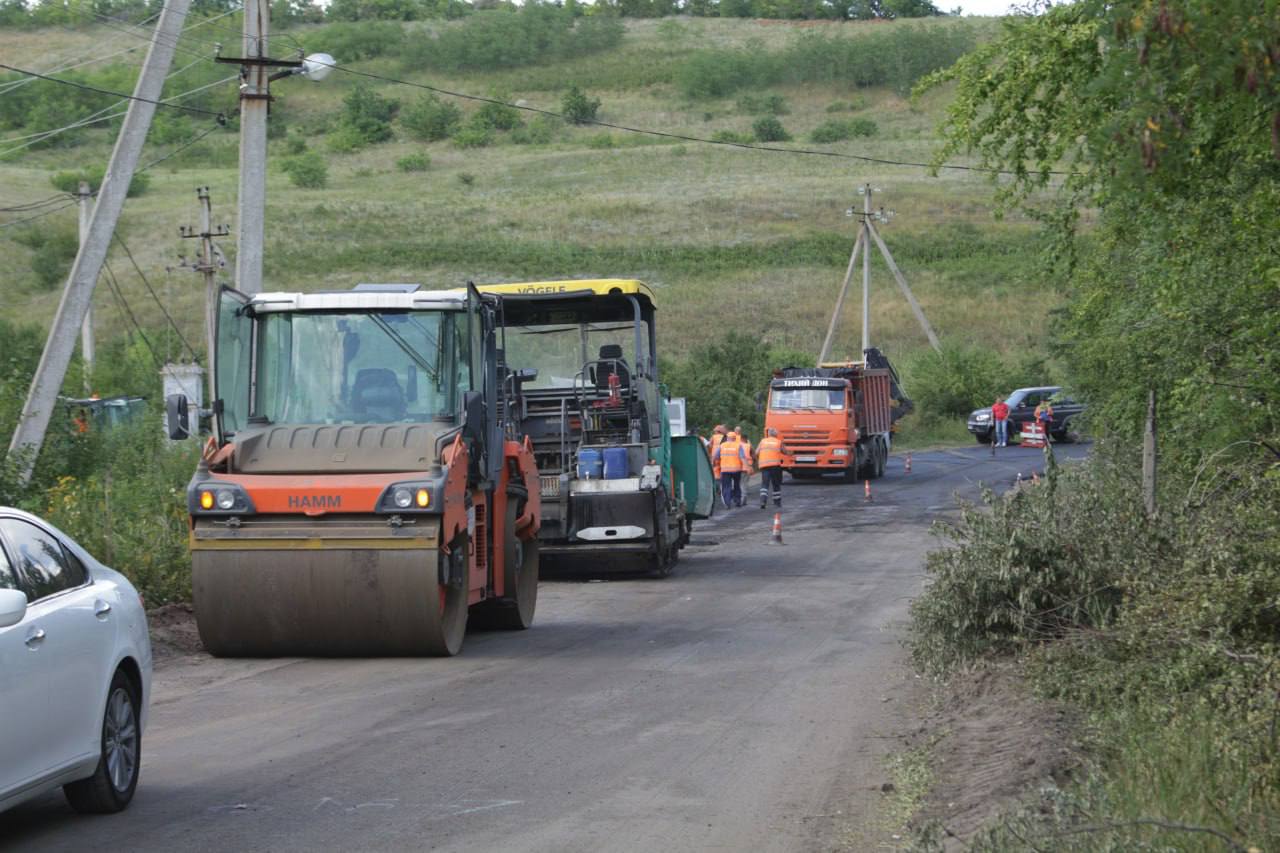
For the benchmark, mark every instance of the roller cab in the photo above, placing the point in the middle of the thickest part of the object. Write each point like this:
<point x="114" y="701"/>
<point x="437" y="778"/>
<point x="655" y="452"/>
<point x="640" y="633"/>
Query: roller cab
<point x="364" y="492"/>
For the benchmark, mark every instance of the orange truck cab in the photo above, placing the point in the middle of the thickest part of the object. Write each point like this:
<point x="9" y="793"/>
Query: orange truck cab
<point x="836" y="418"/>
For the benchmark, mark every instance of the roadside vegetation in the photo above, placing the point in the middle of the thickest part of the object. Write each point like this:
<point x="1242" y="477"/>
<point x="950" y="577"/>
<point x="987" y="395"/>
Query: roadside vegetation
<point x="1162" y="630"/>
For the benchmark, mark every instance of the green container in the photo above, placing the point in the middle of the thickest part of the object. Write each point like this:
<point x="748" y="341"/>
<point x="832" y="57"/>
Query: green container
<point x="692" y="470"/>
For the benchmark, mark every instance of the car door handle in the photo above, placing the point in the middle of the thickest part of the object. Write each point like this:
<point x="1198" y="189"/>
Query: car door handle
<point x="35" y="637"/>
<point x="101" y="609"/>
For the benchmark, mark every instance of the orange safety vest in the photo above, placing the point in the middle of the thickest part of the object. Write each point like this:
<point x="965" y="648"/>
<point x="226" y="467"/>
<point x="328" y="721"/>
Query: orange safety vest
<point x="730" y="461"/>
<point x="769" y="453"/>
<point x="746" y="444"/>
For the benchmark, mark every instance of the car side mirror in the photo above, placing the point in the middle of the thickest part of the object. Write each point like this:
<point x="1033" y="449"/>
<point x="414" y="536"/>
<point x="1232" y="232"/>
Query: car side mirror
<point x="527" y="374"/>
<point x="473" y="414"/>
<point x="13" y="606"/>
<point x="177" y="417"/>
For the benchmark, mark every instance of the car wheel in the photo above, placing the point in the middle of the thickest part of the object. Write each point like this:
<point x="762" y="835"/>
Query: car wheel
<point x="984" y="437"/>
<point x="114" y="780"/>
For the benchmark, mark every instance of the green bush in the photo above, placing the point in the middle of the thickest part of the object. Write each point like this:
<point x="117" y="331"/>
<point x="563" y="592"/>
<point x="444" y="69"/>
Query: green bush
<point x="356" y="40"/>
<point x="961" y="378"/>
<point x="474" y="136"/>
<point x="895" y="57"/>
<point x="774" y="105"/>
<point x="307" y="170"/>
<point x="838" y="130"/>
<point x="431" y="119"/>
<point x="69" y="181"/>
<point x="296" y="143"/>
<point x="769" y="129"/>
<point x="496" y="116"/>
<point x="578" y="107"/>
<point x="512" y="37"/>
<point x="541" y="131"/>
<point x="414" y="163"/>
<point x="732" y="136"/>
<point x="601" y="140"/>
<point x="366" y="115"/>
<point x="850" y="106"/>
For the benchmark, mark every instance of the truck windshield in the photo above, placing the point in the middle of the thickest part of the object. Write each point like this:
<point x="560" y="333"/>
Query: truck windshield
<point x="823" y="399"/>
<point x="366" y="367"/>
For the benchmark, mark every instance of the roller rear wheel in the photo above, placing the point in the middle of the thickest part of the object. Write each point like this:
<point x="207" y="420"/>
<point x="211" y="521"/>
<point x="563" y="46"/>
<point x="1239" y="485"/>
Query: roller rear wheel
<point x="520" y="580"/>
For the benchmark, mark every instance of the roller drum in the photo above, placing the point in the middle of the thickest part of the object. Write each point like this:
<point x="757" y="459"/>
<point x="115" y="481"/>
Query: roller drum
<point x="325" y="602"/>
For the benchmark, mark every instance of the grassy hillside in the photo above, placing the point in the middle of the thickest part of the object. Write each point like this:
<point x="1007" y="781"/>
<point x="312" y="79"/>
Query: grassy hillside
<point x="755" y="239"/>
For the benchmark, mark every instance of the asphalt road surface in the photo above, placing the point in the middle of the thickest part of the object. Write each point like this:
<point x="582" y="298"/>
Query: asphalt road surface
<point x="744" y="703"/>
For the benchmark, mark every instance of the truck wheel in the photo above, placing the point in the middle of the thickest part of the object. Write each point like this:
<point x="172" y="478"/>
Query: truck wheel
<point x="882" y="457"/>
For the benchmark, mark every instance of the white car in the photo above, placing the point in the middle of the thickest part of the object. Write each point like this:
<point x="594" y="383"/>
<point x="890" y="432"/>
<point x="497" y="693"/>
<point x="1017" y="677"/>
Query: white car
<point x="75" y="671"/>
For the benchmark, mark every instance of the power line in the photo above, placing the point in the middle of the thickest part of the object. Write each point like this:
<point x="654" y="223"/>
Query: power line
<point x="123" y="304"/>
<point x="114" y="94"/>
<point x="34" y="205"/>
<point x="680" y="136"/>
<point x="184" y="146"/>
<point x="156" y="298"/>
<point x="38" y="215"/>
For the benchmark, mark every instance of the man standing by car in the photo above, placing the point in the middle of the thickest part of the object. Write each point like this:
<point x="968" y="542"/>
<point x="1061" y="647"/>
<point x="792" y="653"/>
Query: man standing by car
<point x="1000" y="414"/>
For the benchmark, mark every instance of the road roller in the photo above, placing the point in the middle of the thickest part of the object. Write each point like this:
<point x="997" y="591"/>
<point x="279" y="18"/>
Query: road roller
<point x="365" y="490"/>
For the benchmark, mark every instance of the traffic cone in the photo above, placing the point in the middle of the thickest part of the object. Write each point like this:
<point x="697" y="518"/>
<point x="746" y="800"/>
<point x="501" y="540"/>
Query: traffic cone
<point x="866" y="490"/>
<point x="1019" y="483"/>
<point x="777" y="528"/>
<point x="908" y="462"/>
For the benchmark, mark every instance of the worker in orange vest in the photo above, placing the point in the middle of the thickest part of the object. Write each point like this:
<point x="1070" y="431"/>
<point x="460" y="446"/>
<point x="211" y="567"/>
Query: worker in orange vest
<point x="769" y="455"/>
<point x="717" y="436"/>
<point x="746" y="444"/>
<point x="732" y="457"/>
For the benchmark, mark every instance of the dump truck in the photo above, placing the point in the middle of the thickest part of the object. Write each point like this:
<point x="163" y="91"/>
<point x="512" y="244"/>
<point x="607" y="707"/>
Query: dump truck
<point x="838" y="417"/>
<point x="365" y="489"/>
<point x="619" y="492"/>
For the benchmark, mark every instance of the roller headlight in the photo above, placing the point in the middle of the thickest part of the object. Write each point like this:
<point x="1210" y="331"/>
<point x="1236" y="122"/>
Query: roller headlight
<point x="213" y="498"/>
<point x="412" y="496"/>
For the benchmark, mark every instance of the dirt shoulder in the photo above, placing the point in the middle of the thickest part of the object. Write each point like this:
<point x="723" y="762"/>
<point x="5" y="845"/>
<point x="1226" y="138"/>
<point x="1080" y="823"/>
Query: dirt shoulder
<point x="990" y="744"/>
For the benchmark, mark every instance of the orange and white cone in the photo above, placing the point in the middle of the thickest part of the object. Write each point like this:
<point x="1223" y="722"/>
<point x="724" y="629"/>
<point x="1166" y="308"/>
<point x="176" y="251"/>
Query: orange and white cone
<point x="908" y="470"/>
<point x="777" y="528"/>
<point x="866" y="490"/>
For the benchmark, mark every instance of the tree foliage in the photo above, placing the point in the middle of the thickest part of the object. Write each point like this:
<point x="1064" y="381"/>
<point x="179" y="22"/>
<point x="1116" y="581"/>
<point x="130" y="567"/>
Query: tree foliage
<point x="1165" y="117"/>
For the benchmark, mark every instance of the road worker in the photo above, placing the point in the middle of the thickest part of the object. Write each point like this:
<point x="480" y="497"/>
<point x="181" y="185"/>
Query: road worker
<point x="732" y="457"/>
<point x="717" y="436"/>
<point x="746" y="445"/>
<point x="769" y="456"/>
<point x="1044" y="415"/>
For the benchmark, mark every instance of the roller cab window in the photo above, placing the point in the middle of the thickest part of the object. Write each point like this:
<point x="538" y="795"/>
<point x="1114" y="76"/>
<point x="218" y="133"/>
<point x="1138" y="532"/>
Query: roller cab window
<point x="360" y="367"/>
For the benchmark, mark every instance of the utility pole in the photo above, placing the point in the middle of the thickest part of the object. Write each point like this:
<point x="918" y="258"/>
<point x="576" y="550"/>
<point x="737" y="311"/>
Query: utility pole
<point x="28" y="435"/>
<point x="206" y="267"/>
<point x="866" y="270"/>
<point x="255" y="97"/>
<point x="1149" y="457"/>
<point x="83" y="198"/>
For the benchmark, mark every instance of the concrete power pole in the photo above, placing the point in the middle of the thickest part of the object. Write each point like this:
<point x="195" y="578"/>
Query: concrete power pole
<point x="254" y="100"/>
<point x="83" y="199"/>
<point x="866" y="271"/>
<point x="209" y="269"/>
<point x="28" y="436"/>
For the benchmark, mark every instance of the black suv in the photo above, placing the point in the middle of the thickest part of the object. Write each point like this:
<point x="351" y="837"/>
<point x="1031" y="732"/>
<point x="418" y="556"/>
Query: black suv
<point x="1022" y="409"/>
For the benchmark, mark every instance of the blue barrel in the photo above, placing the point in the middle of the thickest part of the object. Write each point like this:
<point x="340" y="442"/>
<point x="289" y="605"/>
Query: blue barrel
<point x="589" y="464"/>
<point x="615" y="463"/>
